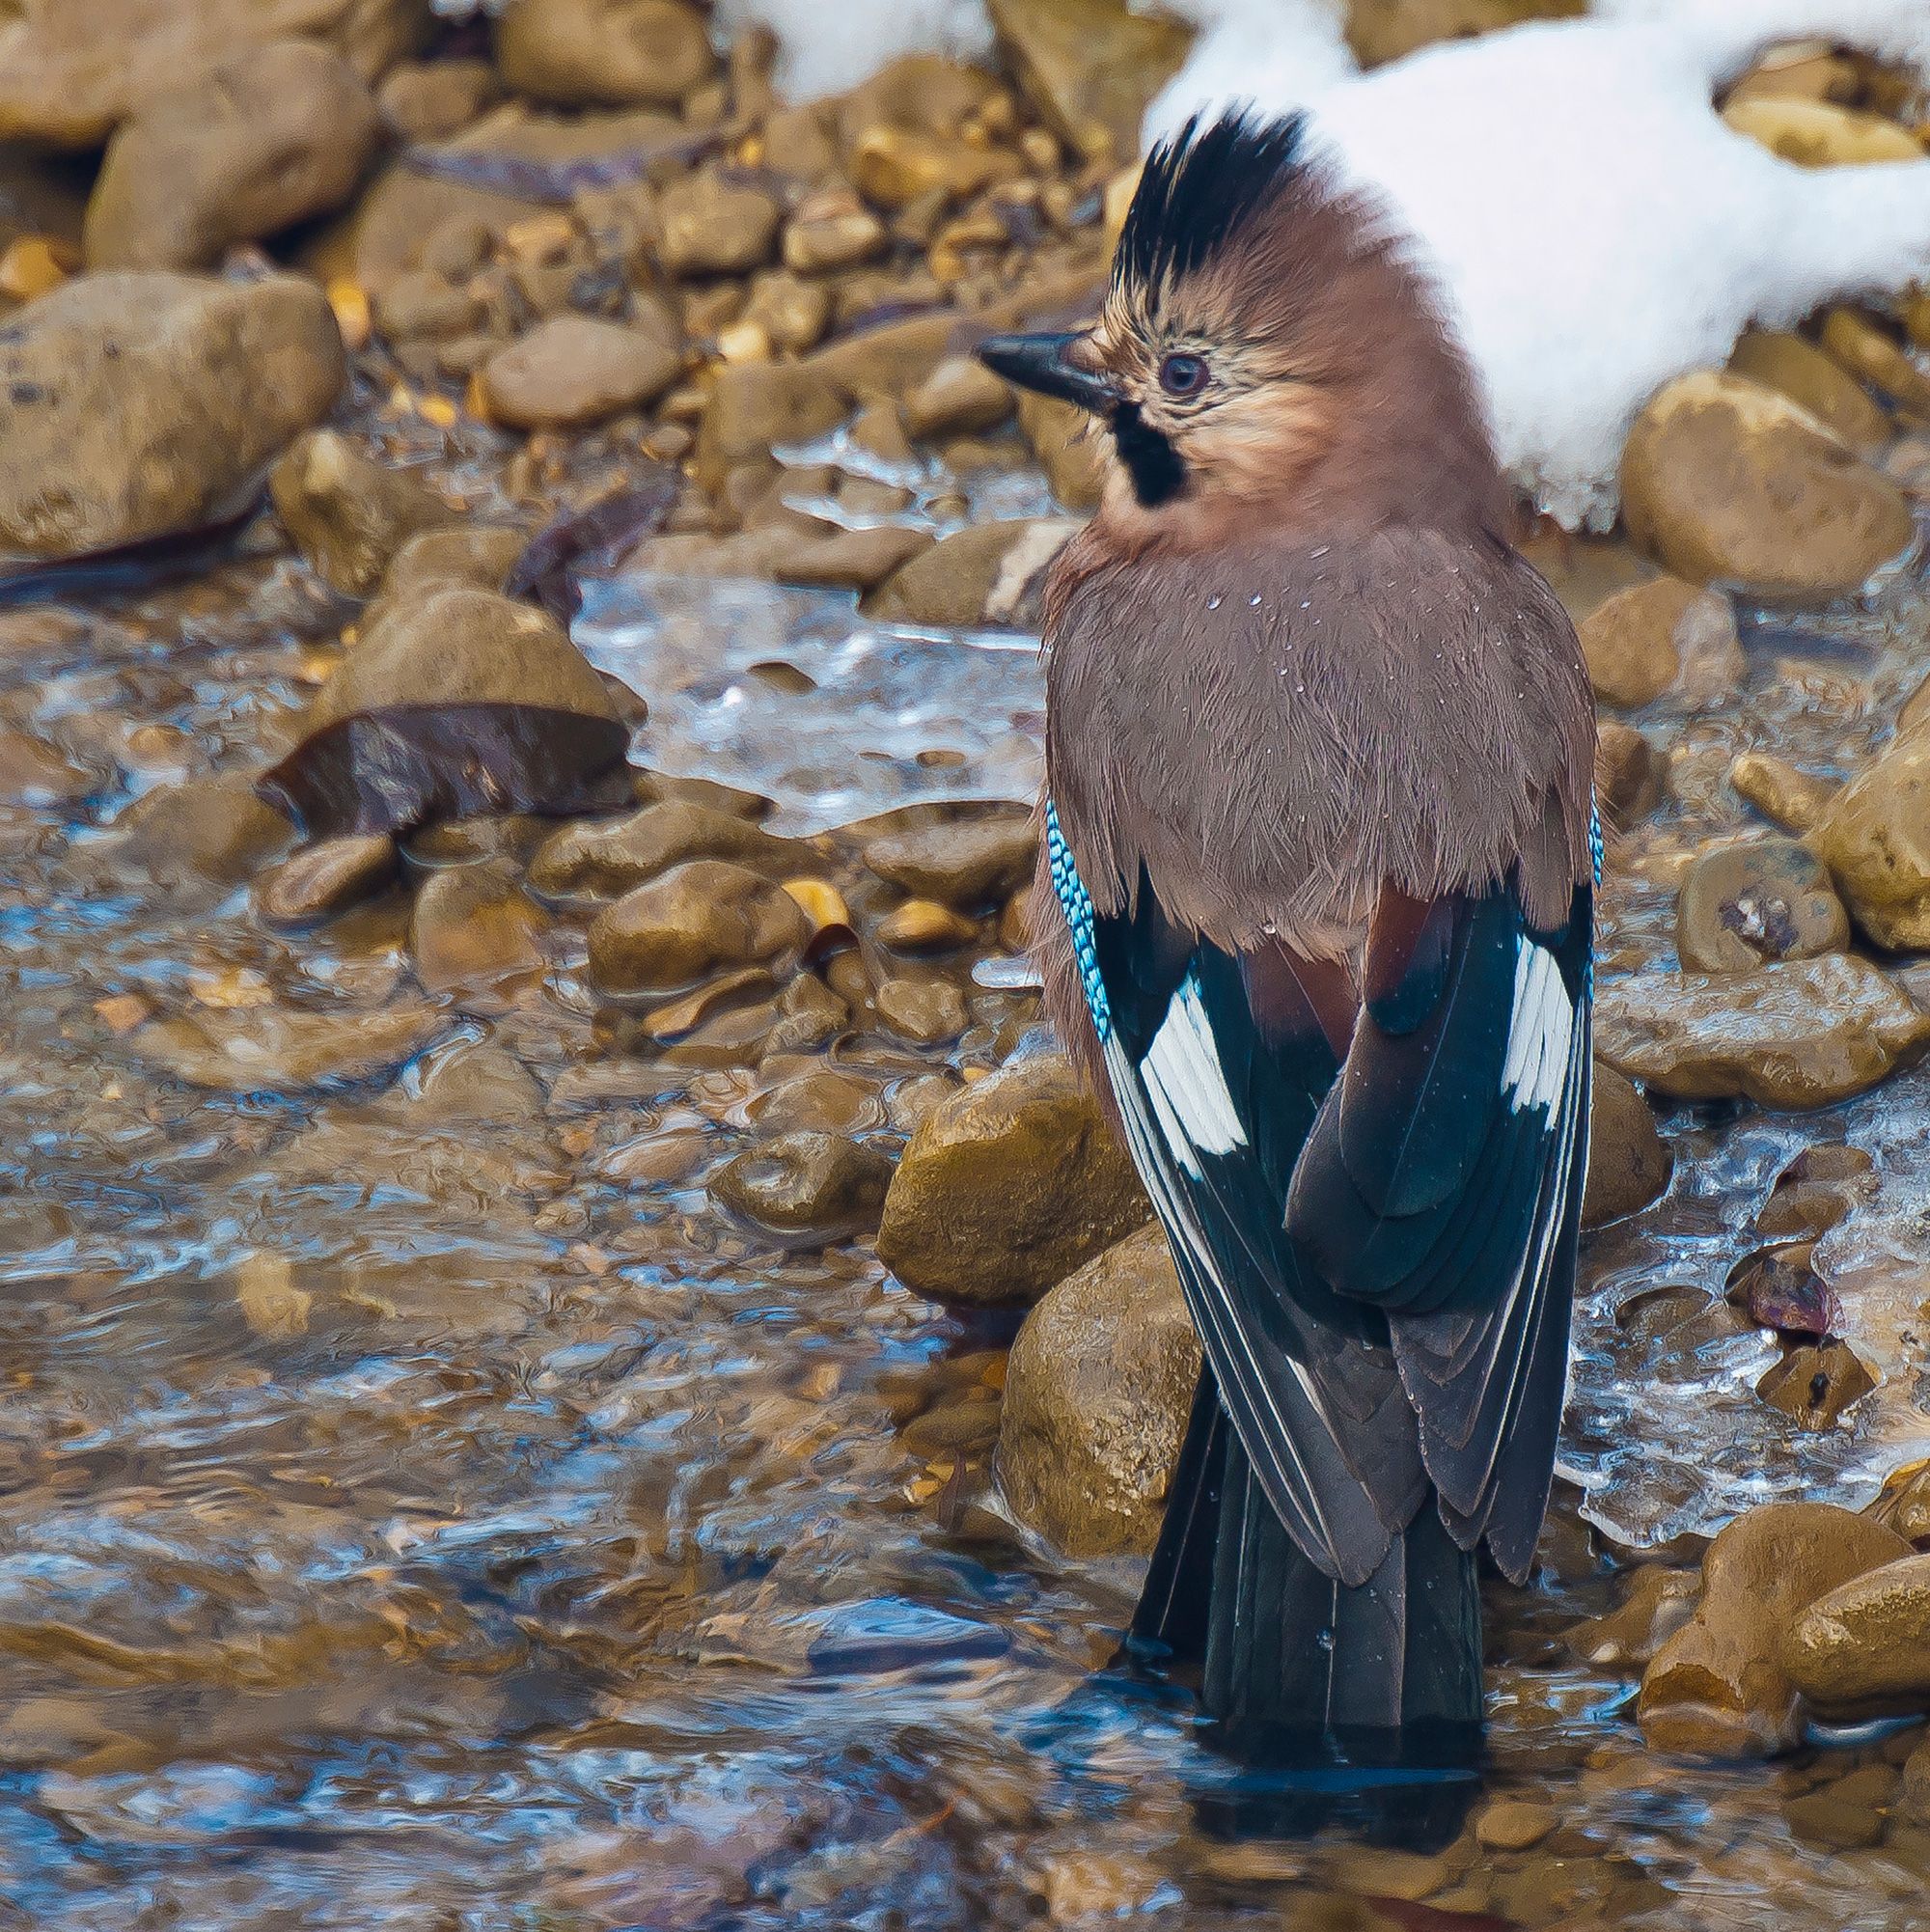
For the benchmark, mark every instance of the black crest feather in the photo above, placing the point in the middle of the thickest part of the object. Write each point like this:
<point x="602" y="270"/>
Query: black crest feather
<point x="1198" y="187"/>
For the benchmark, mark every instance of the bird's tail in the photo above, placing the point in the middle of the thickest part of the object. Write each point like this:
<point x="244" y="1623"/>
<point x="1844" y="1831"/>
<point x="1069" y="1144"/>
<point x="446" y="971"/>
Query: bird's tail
<point x="1361" y="1705"/>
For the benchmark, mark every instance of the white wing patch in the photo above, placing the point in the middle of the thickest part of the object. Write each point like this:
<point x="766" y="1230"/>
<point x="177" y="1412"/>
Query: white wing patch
<point x="1539" y="1030"/>
<point x="1186" y="1085"/>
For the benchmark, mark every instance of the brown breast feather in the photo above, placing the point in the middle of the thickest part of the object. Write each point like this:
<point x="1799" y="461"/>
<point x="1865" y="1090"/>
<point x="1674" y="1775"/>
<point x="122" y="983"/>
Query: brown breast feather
<point x="1275" y="732"/>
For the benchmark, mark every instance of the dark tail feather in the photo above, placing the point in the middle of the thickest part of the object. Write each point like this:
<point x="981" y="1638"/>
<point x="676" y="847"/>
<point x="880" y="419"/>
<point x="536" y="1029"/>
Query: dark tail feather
<point x="1355" y="1705"/>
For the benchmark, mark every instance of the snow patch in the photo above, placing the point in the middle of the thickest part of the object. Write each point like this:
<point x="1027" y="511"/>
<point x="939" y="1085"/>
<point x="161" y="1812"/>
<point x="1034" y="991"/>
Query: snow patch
<point x="1593" y="227"/>
<point x="825" y="47"/>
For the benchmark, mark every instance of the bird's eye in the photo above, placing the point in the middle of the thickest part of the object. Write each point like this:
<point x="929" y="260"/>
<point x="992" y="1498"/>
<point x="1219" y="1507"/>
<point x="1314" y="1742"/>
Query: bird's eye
<point x="1183" y="374"/>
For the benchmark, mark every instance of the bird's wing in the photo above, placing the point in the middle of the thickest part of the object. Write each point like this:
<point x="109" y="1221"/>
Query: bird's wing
<point x="1442" y="1180"/>
<point x="1218" y="1063"/>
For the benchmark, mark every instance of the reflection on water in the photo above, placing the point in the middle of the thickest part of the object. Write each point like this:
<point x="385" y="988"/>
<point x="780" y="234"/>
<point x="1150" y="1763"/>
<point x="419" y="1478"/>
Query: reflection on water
<point x="418" y="1509"/>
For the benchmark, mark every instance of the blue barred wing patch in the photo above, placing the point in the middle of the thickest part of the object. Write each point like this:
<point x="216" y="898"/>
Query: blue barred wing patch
<point x="1076" y="902"/>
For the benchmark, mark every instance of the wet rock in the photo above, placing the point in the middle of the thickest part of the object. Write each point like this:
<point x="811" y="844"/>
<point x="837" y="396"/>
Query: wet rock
<point x="476" y="555"/>
<point x="1814" y="1385"/>
<point x="1726" y="482"/>
<point x="825" y="1102"/>
<point x="799" y="142"/>
<point x="1071" y="456"/>
<point x="1780" y="1290"/>
<point x="988" y="573"/>
<point x="1638" y="641"/>
<point x="833" y="230"/>
<point x="215" y="829"/>
<point x="894" y="167"/>
<point x="1792" y="799"/>
<point x="600" y="858"/>
<point x="891" y="359"/>
<point x="971" y="864"/>
<point x="924" y="1011"/>
<point x="1815" y="1191"/>
<point x="579" y="368"/>
<point x="1820" y="133"/>
<point x="1905" y="1503"/>
<point x="472" y="927"/>
<point x="1658" y="1601"/>
<point x="1823" y="1818"/>
<point x="1796" y="1033"/>
<point x="1915" y="1794"/>
<point x="425" y="305"/>
<point x="1741" y="906"/>
<point x="1091" y="67"/>
<point x="471" y="1080"/>
<point x="32" y="772"/>
<point x="1097" y="1395"/>
<point x="726" y="1010"/>
<point x="429" y="100"/>
<point x="137" y="404"/>
<point x="454" y="702"/>
<point x="281" y="1049"/>
<point x="1007" y="1187"/>
<point x="808" y="1015"/>
<point x="1874" y="835"/>
<point x="697" y="917"/>
<point x="1800" y="370"/>
<point x="924" y="926"/>
<point x="1719" y="1687"/>
<point x="1866" y="351"/>
<point x="755" y="406"/>
<point x="70" y="75"/>
<point x="1514" y="1825"/>
<point x="843" y="559"/>
<point x="792" y="312"/>
<point x="347" y="514"/>
<point x="276" y="136"/>
<point x="325" y="879"/>
<point x="404" y="217"/>
<point x="923" y="91"/>
<point x="1628" y="774"/>
<point x="712" y="227"/>
<point x="603" y="53"/>
<point x="1864" y="1648"/>
<point x="1629" y="1164"/>
<point x="805" y="1186"/>
<point x="960" y="397"/>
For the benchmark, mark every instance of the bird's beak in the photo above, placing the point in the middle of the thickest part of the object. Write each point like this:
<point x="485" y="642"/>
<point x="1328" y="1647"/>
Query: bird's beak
<point x="1046" y="363"/>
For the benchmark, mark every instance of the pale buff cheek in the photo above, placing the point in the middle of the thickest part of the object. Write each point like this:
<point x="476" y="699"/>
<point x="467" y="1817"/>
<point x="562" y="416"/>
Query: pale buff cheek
<point x="1256" y="450"/>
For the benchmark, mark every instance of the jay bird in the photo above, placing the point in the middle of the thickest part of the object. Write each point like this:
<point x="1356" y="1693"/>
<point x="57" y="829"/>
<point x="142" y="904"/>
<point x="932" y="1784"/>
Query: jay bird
<point x="1315" y="899"/>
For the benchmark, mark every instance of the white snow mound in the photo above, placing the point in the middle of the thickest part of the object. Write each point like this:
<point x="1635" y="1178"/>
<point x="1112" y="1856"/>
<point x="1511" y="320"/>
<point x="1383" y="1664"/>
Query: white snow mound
<point x="1593" y="225"/>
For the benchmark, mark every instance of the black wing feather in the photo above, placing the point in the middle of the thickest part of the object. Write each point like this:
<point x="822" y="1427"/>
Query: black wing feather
<point x="1378" y="1253"/>
<point x="1308" y="1381"/>
<point x="1476" y="1284"/>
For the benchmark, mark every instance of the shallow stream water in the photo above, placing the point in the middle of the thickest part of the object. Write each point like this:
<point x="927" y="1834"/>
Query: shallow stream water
<point x="419" y="1508"/>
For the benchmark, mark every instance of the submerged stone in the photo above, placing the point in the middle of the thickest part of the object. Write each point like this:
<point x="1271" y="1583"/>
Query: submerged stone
<point x="805" y="1187"/>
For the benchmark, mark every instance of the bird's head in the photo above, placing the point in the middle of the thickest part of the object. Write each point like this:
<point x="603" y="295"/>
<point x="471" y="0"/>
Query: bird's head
<point x="1265" y="346"/>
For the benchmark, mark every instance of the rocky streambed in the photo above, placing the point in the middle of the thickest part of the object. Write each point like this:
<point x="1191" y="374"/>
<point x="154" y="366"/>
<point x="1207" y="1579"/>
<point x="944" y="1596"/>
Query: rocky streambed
<point x="575" y="1356"/>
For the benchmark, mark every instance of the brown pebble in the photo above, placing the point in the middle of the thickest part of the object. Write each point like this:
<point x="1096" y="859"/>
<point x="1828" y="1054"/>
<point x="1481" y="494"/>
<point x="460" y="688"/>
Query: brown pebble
<point x="324" y="878"/>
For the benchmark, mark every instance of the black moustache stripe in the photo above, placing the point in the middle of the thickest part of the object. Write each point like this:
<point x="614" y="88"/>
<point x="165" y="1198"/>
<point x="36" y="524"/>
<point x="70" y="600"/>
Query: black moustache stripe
<point x="1154" y="465"/>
